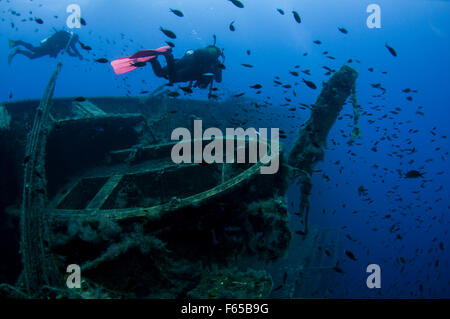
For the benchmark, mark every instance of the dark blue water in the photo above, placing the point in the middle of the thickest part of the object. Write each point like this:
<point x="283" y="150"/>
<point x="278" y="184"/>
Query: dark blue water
<point x="400" y="224"/>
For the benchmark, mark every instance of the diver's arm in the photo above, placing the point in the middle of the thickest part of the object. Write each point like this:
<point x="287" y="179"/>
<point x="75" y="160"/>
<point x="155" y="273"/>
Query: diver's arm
<point x="218" y="75"/>
<point x="171" y="70"/>
<point x="75" y="51"/>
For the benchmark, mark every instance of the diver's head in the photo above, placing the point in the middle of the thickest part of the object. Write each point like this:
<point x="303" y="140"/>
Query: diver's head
<point x="215" y="51"/>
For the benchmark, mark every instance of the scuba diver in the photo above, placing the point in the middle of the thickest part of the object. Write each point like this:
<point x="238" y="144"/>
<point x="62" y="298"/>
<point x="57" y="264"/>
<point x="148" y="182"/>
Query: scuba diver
<point x="201" y="66"/>
<point x="50" y="46"/>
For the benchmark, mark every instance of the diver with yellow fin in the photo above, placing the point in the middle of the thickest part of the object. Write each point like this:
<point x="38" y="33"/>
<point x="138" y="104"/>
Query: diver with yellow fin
<point x="50" y="46"/>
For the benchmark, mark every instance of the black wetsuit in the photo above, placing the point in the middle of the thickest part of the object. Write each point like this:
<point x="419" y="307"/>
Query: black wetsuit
<point x="51" y="46"/>
<point x="201" y="66"/>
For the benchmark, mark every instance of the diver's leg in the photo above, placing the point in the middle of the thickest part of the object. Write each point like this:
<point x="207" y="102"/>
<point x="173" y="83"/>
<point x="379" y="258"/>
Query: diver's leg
<point x="30" y="55"/>
<point x="27" y="45"/>
<point x="157" y="69"/>
<point x="170" y="65"/>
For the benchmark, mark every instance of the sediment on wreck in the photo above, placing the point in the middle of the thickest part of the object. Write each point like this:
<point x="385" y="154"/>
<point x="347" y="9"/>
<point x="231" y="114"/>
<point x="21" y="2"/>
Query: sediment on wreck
<point x="308" y="149"/>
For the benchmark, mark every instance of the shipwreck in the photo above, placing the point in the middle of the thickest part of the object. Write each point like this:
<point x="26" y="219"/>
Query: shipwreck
<point x="93" y="184"/>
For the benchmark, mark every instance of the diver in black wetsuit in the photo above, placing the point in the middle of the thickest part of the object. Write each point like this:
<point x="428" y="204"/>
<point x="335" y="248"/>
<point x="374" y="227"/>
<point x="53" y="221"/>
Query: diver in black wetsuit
<point x="50" y="46"/>
<point x="202" y="66"/>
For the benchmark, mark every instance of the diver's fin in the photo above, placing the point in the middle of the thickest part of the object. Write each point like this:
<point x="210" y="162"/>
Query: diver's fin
<point x="11" y="55"/>
<point x="151" y="52"/>
<point x="127" y="64"/>
<point x="123" y="65"/>
<point x="11" y="43"/>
